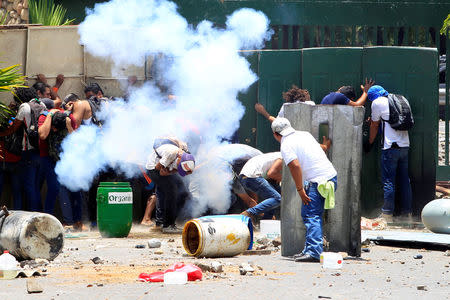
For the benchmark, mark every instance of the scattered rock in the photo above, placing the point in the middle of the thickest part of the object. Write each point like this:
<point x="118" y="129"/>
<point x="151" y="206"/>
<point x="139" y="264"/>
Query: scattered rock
<point x="34" y="263"/>
<point x="33" y="287"/>
<point x="263" y="241"/>
<point x="140" y="246"/>
<point x="158" y="252"/>
<point x="97" y="260"/>
<point x="261" y="247"/>
<point x="276" y="242"/>
<point x="216" y="267"/>
<point x="422" y="288"/>
<point x="154" y="243"/>
<point x="99" y="284"/>
<point x="447" y="253"/>
<point x="365" y="249"/>
<point x="396" y="250"/>
<point x="171" y="240"/>
<point x="418" y="256"/>
<point x="245" y="268"/>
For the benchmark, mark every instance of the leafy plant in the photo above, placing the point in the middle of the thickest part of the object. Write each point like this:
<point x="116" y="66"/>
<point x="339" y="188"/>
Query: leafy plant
<point x="446" y="25"/>
<point x="3" y="18"/>
<point x="10" y="78"/>
<point x="47" y="13"/>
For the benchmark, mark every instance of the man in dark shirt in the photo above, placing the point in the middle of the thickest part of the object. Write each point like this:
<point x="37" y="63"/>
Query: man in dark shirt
<point x="346" y="94"/>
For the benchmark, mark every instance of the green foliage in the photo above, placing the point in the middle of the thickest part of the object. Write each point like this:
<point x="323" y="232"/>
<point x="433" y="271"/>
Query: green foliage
<point x="3" y="18"/>
<point x="10" y="78"/>
<point x="446" y="25"/>
<point x="45" y="12"/>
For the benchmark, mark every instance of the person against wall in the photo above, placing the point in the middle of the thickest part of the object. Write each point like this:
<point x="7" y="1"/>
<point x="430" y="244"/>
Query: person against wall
<point x="346" y="95"/>
<point x="394" y="156"/>
<point x="293" y="95"/>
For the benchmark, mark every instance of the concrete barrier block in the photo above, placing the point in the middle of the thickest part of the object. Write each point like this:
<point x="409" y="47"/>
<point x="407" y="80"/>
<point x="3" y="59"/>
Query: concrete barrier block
<point x="343" y="125"/>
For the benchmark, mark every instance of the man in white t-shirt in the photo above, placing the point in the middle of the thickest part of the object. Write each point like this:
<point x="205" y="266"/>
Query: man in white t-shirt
<point x="254" y="177"/>
<point x="394" y="156"/>
<point x="307" y="162"/>
<point x="294" y="95"/>
<point x="169" y="157"/>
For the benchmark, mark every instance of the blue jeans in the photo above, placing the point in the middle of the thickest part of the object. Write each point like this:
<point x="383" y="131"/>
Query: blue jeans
<point x="395" y="162"/>
<point x="29" y="165"/>
<point x="266" y="192"/>
<point x="312" y="218"/>
<point x="70" y="205"/>
<point x="13" y="169"/>
<point x="47" y="172"/>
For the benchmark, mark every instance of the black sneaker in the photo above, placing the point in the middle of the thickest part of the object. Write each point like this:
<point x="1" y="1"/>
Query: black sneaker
<point x="306" y="258"/>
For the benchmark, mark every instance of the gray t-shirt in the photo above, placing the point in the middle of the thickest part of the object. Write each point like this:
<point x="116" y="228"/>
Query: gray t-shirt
<point x="24" y="115"/>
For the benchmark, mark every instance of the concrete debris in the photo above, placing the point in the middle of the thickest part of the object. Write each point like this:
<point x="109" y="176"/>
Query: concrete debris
<point x="245" y="268"/>
<point x="261" y="247"/>
<point x="422" y="288"/>
<point x="97" y="260"/>
<point x="447" y="253"/>
<point x="216" y="267"/>
<point x="276" y="242"/>
<point x="33" y="287"/>
<point x="263" y="241"/>
<point x="257" y="252"/>
<point x="34" y="263"/>
<point x="155" y="243"/>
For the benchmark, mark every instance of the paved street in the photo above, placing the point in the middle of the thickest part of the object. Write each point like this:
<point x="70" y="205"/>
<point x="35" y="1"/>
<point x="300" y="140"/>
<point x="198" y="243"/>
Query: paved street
<point x="382" y="273"/>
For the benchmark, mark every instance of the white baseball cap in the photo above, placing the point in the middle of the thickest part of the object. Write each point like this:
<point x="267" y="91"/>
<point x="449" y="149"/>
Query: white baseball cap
<point x="282" y="126"/>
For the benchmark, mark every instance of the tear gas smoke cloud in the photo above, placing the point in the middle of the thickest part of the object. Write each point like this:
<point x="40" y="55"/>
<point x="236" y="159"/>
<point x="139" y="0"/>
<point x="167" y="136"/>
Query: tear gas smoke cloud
<point x="202" y="66"/>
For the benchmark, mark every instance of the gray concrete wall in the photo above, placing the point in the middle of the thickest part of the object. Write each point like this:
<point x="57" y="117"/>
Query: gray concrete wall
<point x="53" y="50"/>
<point x="341" y="224"/>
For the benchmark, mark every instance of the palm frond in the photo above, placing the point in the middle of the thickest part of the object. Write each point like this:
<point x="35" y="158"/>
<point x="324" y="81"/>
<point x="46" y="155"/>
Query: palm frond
<point x="47" y="13"/>
<point x="446" y="25"/>
<point x="10" y="78"/>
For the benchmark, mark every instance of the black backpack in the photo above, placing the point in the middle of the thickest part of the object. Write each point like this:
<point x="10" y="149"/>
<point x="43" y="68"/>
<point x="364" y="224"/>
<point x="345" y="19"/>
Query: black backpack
<point x="400" y="114"/>
<point x="32" y="129"/>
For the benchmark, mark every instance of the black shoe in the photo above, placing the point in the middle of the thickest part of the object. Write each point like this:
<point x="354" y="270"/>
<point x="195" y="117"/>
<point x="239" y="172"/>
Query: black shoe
<point x="298" y="255"/>
<point x="306" y="258"/>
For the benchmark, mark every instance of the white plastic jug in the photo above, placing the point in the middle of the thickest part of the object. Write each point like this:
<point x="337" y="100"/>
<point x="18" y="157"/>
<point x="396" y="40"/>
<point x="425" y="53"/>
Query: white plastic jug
<point x="175" y="278"/>
<point x="331" y="260"/>
<point x="8" y="266"/>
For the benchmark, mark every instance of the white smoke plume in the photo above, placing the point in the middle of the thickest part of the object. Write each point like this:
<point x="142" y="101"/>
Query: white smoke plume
<point x="204" y="69"/>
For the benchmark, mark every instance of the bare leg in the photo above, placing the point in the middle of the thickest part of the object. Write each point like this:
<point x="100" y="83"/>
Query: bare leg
<point x="151" y="203"/>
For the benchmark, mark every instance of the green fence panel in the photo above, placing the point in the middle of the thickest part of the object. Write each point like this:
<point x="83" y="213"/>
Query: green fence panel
<point x="324" y="70"/>
<point x="412" y="73"/>
<point x="247" y="129"/>
<point x="278" y="71"/>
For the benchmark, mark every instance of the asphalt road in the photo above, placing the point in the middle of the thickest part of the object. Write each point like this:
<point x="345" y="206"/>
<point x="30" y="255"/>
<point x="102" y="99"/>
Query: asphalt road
<point x="382" y="273"/>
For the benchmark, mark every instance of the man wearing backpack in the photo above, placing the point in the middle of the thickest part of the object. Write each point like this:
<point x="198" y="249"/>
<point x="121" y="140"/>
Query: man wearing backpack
<point x="27" y="120"/>
<point x="395" y="148"/>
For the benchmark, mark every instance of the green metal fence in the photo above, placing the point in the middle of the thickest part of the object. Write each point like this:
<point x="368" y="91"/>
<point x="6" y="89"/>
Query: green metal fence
<point x="332" y="23"/>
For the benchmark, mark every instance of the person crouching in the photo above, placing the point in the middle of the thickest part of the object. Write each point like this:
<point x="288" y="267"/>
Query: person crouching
<point x="168" y="162"/>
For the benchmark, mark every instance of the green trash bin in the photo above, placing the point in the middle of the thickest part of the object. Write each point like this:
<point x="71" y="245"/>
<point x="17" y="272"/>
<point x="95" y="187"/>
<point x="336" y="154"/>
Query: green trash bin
<point x="114" y="209"/>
